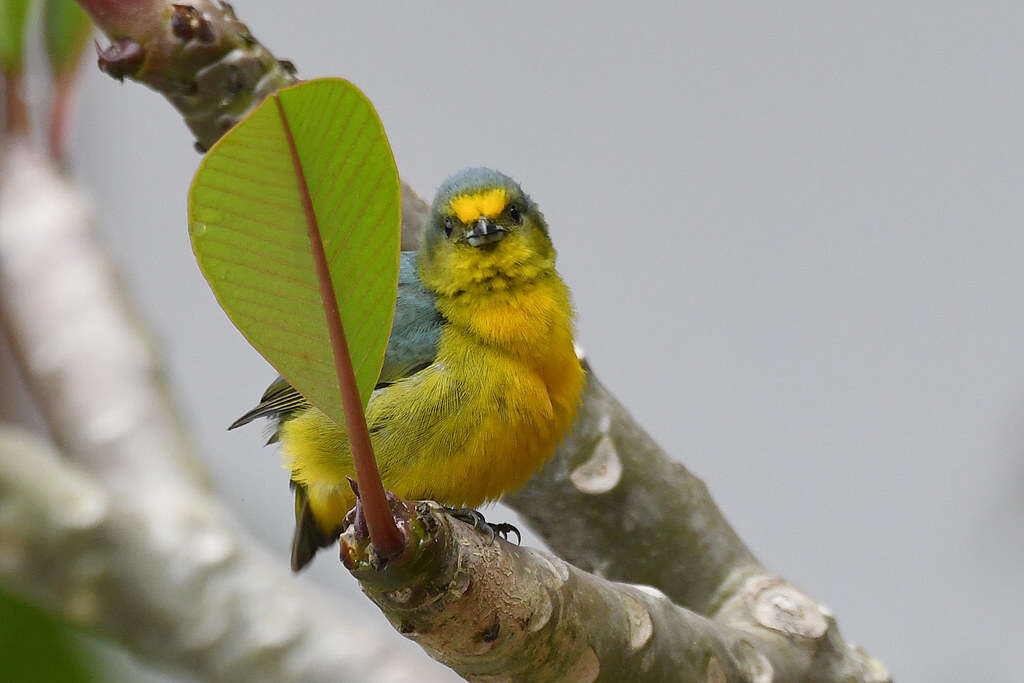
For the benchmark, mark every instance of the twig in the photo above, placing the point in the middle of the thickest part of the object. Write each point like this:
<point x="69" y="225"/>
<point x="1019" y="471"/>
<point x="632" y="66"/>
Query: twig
<point x="15" y="110"/>
<point x="60" y="111"/>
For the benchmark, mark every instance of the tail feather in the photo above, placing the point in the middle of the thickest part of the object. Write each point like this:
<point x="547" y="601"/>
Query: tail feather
<point x="308" y="538"/>
<point x="279" y="403"/>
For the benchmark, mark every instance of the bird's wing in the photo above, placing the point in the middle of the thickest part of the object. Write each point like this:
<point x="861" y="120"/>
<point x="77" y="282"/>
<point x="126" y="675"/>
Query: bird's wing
<point x="416" y="329"/>
<point x="411" y="347"/>
<point x="279" y="402"/>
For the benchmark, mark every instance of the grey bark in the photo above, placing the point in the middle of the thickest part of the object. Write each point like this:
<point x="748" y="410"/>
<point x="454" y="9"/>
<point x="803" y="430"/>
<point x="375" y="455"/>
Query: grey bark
<point x="494" y="611"/>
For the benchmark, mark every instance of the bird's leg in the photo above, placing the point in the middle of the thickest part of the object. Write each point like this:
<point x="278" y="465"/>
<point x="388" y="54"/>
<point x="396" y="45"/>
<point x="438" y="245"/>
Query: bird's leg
<point x="475" y="519"/>
<point x="356" y="517"/>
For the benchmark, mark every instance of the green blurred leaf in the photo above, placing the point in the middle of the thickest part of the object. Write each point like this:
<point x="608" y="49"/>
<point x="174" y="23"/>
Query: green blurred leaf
<point x="34" y="647"/>
<point x="68" y="29"/>
<point x="249" y="232"/>
<point x="13" y="14"/>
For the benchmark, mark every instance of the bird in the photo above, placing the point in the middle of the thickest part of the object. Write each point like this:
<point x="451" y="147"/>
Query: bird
<point x="480" y="380"/>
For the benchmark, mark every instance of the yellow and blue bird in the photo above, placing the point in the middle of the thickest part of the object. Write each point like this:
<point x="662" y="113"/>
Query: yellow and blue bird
<point x="480" y="380"/>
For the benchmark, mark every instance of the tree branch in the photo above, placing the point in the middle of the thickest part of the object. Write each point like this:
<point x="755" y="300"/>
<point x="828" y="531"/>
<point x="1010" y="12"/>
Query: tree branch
<point x="494" y="611"/>
<point x="82" y="348"/>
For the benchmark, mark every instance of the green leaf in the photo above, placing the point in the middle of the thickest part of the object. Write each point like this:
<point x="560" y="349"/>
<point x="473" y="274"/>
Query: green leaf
<point x="38" y="648"/>
<point x="68" y="29"/>
<point x="13" y="14"/>
<point x="251" y="235"/>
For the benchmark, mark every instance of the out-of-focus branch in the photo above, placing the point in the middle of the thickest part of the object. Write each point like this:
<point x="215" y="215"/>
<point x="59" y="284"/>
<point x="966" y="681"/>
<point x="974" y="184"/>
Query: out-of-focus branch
<point x="128" y="539"/>
<point x="494" y="611"/>
<point x="84" y="353"/>
<point x="68" y="32"/>
<point x="13" y="20"/>
<point x="178" y="584"/>
<point x="16" y="406"/>
<point x="15" y="110"/>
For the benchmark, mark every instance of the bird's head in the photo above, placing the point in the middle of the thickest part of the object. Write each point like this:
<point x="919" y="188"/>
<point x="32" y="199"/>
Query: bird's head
<point x="483" y="231"/>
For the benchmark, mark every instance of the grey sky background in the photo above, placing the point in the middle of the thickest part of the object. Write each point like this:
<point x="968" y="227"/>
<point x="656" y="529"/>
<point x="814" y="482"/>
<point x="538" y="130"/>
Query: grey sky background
<point x="793" y="234"/>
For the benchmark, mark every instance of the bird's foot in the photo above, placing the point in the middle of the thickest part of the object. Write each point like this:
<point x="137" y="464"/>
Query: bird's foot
<point x="476" y="520"/>
<point x="357" y="517"/>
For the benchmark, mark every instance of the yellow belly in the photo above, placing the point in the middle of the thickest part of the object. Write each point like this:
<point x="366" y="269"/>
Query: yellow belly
<point x="476" y="423"/>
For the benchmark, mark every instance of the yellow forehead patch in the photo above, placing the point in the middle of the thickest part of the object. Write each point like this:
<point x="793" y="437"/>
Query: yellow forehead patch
<point x="487" y="203"/>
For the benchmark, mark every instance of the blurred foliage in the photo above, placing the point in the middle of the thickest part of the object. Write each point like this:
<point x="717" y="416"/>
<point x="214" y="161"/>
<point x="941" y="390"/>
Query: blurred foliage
<point x="68" y="29"/>
<point x="248" y="222"/>
<point x="13" y="16"/>
<point x="36" y="648"/>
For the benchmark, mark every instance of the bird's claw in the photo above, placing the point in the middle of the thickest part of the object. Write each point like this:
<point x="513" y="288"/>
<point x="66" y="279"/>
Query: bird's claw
<point x="476" y="520"/>
<point x="503" y="529"/>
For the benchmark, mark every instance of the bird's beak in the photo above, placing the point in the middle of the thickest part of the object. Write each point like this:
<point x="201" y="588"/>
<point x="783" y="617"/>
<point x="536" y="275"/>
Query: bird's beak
<point x="484" y="232"/>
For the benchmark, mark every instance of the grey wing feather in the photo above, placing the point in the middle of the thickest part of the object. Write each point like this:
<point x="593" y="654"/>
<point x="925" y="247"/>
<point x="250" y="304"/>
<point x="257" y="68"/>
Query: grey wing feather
<point x="279" y="401"/>
<point x="416" y="328"/>
<point x="411" y="347"/>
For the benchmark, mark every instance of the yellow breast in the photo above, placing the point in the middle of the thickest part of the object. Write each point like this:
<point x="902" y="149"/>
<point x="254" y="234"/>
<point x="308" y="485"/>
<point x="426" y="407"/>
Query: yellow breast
<point x="476" y="423"/>
<point x="503" y="392"/>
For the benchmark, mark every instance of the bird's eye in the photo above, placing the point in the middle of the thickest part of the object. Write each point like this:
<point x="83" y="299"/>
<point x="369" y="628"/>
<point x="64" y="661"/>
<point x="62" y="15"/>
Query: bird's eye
<point x="513" y="213"/>
<point x="448" y="226"/>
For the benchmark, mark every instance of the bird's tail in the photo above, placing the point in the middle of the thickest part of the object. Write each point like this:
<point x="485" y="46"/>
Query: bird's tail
<point x="308" y="538"/>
